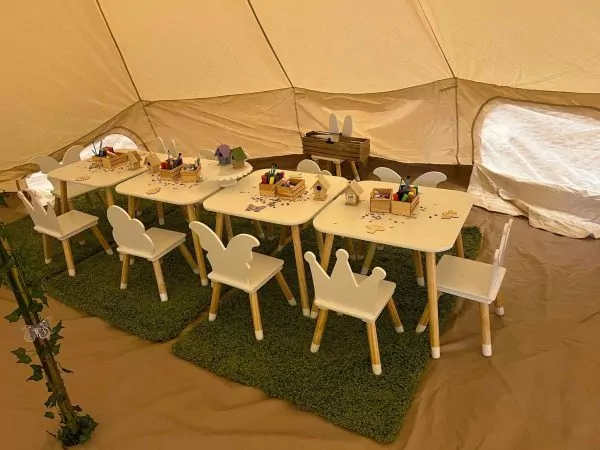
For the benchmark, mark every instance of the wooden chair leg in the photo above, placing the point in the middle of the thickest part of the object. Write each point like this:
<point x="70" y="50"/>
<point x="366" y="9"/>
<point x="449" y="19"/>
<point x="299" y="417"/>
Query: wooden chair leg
<point x="124" y="271"/>
<point x="69" y="257"/>
<point x="160" y="213"/>
<point x="47" y="243"/>
<point x="368" y="258"/>
<point x="350" y="248"/>
<point x="71" y="205"/>
<point x="418" y="262"/>
<point x="101" y="239"/>
<point x="319" y="329"/>
<point x="258" y="329"/>
<point x="191" y="216"/>
<point x="258" y="229"/>
<point x="214" y="301"/>
<point x="374" y="348"/>
<point x="160" y="281"/>
<point x="354" y="171"/>
<point x="57" y="206"/>
<point x="424" y="320"/>
<point x="287" y="292"/>
<point x="360" y="250"/>
<point x="338" y="169"/>
<point x="391" y="307"/>
<point x="138" y="207"/>
<point x="499" y="304"/>
<point x="270" y="231"/>
<point x="283" y="234"/>
<point x="486" y="335"/>
<point x="189" y="258"/>
<point x="319" y="238"/>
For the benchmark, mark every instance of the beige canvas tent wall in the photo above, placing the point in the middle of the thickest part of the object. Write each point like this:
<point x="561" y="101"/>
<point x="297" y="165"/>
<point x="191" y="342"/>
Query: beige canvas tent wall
<point x="414" y="74"/>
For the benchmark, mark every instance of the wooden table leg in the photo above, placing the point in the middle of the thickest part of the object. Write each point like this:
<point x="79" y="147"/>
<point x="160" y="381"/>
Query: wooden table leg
<point x="131" y="206"/>
<point x="270" y="231"/>
<point x="64" y="197"/>
<point x="110" y="200"/>
<point x="283" y="233"/>
<point x="354" y="171"/>
<point x="219" y="226"/>
<point x="258" y="229"/>
<point x="300" y="268"/>
<point x="368" y="258"/>
<point x="191" y="213"/>
<point x="418" y="262"/>
<point x="160" y="213"/>
<point x="319" y="237"/>
<point x="432" y="301"/>
<point x="350" y="248"/>
<point x="460" y="252"/>
<point x="229" y="228"/>
<point x="338" y="169"/>
<point x="325" y="257"/>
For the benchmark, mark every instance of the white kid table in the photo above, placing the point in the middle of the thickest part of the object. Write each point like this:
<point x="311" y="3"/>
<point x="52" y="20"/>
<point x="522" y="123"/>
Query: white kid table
<point x="236" y="201"/>
<point x="84" y="173"/>
<point x="186" y="195"/>
<point x="426" y="232"/>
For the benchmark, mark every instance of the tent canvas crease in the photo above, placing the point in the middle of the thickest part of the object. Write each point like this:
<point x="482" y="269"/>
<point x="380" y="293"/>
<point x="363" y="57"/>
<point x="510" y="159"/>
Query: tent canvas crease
<point x="416" y="75"/>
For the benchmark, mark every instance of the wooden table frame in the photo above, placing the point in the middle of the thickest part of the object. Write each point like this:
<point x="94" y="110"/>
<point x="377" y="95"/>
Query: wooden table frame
<point x="451" y="230"/>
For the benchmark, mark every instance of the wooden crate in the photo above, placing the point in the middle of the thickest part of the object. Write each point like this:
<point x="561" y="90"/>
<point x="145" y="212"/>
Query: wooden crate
<point x="381" y="204"/>
<point x="405" y="208"/>
<point x="346" y="148"/>
<point x="111" y="161"/>
<point x="298" y="188"/>
<point x="270" y="190"/>
<point x="172" y="174"/>
<point x="190" y="176"/>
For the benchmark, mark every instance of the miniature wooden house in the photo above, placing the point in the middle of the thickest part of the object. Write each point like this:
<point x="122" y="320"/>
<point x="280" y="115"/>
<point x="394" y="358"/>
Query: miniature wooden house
<point x="134" y="160"/>
<point x="153" y="162"/>
<point x="238" y="157"/>
<point x="320" y="187"/>
<point x="352" y="193"/>
<point x="223" y="154"/>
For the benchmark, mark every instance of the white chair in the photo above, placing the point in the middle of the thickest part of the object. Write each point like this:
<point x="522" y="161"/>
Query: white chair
<point x="153" y="244"/>
<point x="72" y="155"/>
<point x="387" y="175"/>
<point x="62" y="228"/>
<point x="353" y="295"/>
<point x="475" y="281"/>
<point x="429" y="179"/>
<point x="207" y="154"/>
<point x="74" y="190"/>
<point x="239" y="267"/>
<point x="309" y="166"/>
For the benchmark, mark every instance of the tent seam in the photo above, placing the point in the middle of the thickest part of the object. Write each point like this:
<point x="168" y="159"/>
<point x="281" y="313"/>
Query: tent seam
<point x="137" y="92"/>
<point x="264" y="33"/>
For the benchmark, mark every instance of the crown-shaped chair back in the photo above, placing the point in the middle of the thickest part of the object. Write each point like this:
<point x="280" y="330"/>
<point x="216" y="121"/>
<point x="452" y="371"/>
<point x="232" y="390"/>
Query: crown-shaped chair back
<point x="387" y="175"/>
<point x="47" y="164"/>
<point x="127" y="232"/>
<point x="499" y="254"/>
<point x="44" y="218"/>
<point x="233" y="261"/>
<point x="342" y="284"/>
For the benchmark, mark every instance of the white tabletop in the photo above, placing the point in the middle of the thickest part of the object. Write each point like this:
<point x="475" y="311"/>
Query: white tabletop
<point x="225" y="175"/>
<point x="235" y="200"/>
<point x="426" y="231"/>
<point x="173" y="192"/>
<point x="83" y="172"/>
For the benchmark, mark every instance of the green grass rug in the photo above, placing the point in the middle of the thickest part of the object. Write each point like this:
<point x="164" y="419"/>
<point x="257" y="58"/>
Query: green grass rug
<point x="138" y="309"/>
<point x="337" y="382"/>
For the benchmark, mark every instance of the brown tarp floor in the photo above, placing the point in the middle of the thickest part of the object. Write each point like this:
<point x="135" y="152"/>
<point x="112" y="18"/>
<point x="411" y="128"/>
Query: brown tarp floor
<point x="539" y="390"/>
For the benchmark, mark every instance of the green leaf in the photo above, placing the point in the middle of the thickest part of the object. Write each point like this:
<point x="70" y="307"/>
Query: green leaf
<point x="49" y="414"/>
<point x="35" y="307"/>
<point x="66" y="370"/>
<point x="56" y="349"/>
<point x="13" y="316"/>
<point x="58" y="327"/>
<point x="38" y="373"/>
<point x="21" y="354"/>
<point x="51" y="402"/>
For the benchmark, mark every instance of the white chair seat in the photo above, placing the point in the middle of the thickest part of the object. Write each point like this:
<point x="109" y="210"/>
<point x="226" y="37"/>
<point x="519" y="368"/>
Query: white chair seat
<point x="365" y="309"/>
<point x="164" y="241"/>
<point x="262" y="269"/>
<point x="74" y="190"/>
<point x="469" y="279"/>
<point x="71" y="223"/>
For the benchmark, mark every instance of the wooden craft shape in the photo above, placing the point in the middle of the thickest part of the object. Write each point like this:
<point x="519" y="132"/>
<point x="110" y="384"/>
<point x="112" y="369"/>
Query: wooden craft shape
<point x="127" y="232"/>
<point x="353" y="193"/>
<point x="388" y="175"/>
<point x="233" y="261"/>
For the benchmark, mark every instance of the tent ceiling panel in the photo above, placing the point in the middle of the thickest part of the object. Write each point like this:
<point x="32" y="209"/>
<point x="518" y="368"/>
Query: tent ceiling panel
<point x="352" y="46"/>
<point x="263" y="123"/>
<point x="184" y="49"/>
<point x="551" y="45"/>
<point x="413" y="125"/>
<point x="61" y="78"/>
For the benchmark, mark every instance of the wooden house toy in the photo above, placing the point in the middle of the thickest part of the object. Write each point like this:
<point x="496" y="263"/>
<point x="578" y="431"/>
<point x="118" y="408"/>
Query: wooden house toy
<point x="352" y="193"/>
<point x="223" y="154"/>
<point x="153" y="162"/>
<point x="238" y="157"/>
<point x="320" y="187"/>
<point x="134" y="160"/>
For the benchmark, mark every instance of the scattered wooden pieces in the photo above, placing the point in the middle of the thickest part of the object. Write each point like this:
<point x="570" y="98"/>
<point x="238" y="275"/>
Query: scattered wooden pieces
<point x="82" y="178"/>
<point x="449" y="214"/>
<point x="153" y="190"/>
<point x="372" y="228"/>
